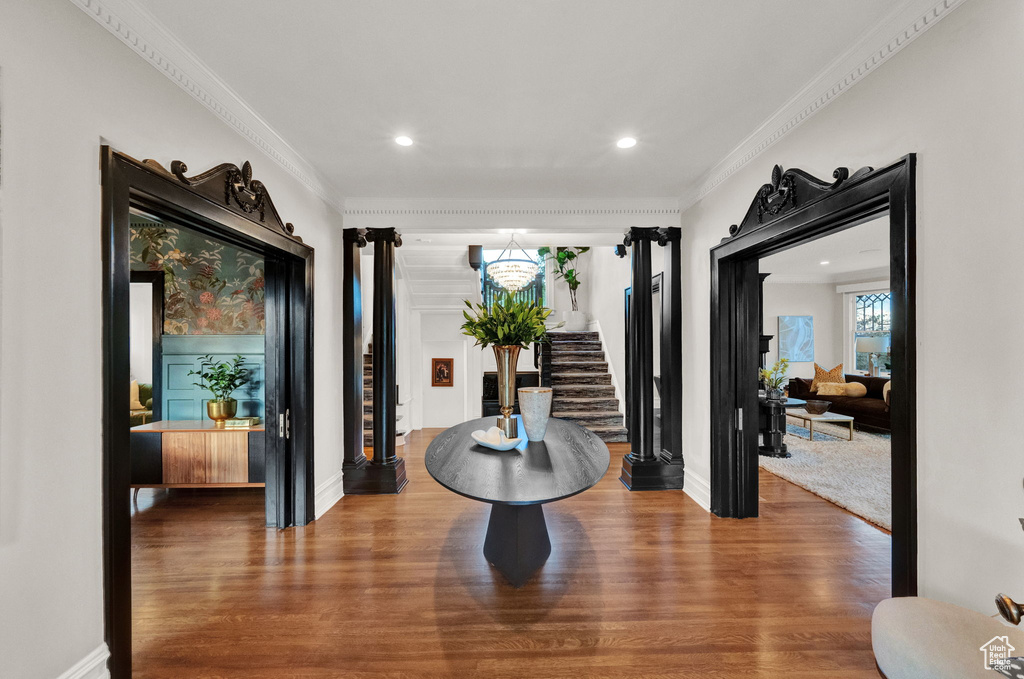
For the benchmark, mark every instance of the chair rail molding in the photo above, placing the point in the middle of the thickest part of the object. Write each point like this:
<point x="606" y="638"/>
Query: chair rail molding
<point x="147" y="37"/>
<point x="904" y="24"/>
<point x="92" y="666"/>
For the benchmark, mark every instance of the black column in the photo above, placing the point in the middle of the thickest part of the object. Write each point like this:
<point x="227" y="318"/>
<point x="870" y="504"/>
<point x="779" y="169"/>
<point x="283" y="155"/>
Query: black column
<point x="671" y="345"/>
<point x="386" y="473"/>
<point x="644" y="468"/>
<point x="385" y="377"/>
<point x="352" y="387"/>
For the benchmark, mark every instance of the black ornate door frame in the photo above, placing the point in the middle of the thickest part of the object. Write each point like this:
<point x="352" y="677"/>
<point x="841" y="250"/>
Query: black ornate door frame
<point x="797" y="208"/>
<point x="227" y="203"/>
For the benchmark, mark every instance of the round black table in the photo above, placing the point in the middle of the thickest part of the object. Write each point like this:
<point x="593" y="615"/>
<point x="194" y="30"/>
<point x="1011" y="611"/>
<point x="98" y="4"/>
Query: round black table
<point x="516" y="483"/>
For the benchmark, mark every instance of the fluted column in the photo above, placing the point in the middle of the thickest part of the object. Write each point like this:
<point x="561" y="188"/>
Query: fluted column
<point x="386" y="472"/>
<point x="385" y="376"/>
<point x="352" y="385"/>
<point x="644" y="468"/>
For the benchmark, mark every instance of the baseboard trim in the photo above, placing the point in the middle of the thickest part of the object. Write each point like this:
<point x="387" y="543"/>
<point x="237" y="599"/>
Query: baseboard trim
<point x="698" y="488"/>
<point x="328" y="493"/>
<point x="92" y="666"/>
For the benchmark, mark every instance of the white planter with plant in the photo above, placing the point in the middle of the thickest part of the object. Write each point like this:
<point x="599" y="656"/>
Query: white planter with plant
<point x="566" y="261"/>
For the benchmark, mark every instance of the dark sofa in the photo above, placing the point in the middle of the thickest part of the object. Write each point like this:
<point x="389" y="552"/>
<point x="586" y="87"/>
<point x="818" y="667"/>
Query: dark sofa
<point x="870" y="410"/>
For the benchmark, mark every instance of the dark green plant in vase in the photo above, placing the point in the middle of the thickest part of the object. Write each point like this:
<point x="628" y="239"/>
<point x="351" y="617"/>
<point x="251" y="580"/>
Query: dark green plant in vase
<point x="566" y="260"/>
<point x="221" y="380"/>
<point x="773" y="378"/>
<point x="508" y="327"/>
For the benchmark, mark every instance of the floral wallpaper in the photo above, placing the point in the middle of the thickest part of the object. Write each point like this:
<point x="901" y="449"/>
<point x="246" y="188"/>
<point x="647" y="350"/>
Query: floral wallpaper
<point x="210" y="287"/>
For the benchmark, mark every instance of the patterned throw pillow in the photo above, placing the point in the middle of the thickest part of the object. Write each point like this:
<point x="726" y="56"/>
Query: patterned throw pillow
<point x="831" y="389"/>
<point x="821" y="376"/>
<point x="856" y="389"/>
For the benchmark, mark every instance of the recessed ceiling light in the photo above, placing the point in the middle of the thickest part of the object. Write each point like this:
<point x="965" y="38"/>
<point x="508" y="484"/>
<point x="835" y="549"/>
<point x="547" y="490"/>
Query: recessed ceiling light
<point x="824" y="263"/>
<point x="403" y="141"/>
<point x="626" y="143"/>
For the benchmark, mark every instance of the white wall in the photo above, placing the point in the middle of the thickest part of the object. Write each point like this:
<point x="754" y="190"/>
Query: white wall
<point x="819" y="300"/>
<point x="955" y="99"/>
<point x="68" y="86"/>
<point x="140" y="328"/>
<point x="441" y="338"/>
<point x="606" y="292"/>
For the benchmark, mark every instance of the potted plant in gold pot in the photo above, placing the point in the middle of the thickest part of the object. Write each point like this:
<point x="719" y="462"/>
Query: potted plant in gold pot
<point x="507" y="327"/>
<point x="221" y="380"/>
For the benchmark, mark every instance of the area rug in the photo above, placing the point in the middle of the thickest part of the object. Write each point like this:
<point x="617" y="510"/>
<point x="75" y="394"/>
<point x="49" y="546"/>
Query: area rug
<point x="853" y="474"/>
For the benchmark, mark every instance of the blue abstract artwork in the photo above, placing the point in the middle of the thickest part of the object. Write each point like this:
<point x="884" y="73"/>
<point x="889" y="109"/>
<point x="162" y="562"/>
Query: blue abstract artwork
<point x="796" y="338"/>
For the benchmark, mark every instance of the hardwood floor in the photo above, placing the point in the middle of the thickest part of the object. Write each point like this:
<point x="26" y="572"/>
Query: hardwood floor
<point x="638" y="585"/>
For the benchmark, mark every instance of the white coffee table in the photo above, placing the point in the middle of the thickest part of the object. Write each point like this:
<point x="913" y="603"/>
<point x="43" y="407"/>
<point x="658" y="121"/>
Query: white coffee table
<point x="830" y="418"/>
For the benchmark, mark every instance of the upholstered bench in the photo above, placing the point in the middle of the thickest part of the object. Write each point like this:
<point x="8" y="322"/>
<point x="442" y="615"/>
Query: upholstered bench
<point x="915" y="638"/>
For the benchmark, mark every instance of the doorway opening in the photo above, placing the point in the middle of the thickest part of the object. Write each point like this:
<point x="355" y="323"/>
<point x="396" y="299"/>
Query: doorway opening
<point x="796" y="208"/>
<point x="822" y="303"/>
<point x="243" y="275"/>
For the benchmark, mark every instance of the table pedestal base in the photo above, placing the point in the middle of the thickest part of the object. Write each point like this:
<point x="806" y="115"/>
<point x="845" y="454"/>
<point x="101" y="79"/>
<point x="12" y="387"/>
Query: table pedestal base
<point x="517" y="542"/>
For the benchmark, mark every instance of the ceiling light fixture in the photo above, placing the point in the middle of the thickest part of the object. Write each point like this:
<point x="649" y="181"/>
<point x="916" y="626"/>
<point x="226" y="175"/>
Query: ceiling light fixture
<point x="513" y="273"/>
<point x="824" y="263"/>
<point x="403" y="140"/>
<point x="626" y="143"/>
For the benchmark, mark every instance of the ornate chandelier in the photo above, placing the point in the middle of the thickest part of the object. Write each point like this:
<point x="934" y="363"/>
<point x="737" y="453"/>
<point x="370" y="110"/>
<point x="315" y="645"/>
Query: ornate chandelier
<point x="513" y="273"/>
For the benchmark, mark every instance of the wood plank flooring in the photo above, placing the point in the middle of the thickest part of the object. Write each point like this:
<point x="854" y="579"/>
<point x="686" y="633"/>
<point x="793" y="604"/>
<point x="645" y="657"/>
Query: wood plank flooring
<point x="638" y="585"/>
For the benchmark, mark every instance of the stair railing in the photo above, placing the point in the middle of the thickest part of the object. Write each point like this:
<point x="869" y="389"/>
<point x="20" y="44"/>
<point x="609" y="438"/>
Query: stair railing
<point x="542" y="362"/>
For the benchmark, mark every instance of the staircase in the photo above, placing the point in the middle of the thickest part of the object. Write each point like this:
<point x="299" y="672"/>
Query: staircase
<point x="583" y="391"/>
<point x="368" y="406"/>
<point x="368" y="400"/>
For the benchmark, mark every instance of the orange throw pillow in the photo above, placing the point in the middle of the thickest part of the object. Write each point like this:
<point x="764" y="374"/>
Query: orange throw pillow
<point x="821" y="376"/>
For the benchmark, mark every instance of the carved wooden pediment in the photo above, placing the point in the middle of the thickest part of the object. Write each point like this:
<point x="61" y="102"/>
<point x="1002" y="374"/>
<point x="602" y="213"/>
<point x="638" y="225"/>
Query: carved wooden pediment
<point x="234" y="188"/>
<point x="789" y="190"/>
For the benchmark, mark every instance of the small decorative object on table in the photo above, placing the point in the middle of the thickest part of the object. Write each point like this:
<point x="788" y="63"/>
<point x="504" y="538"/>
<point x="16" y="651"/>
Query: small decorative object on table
<point x="509" y="325"/>
<point x="535" y="405"/>
<point x="817" y="407"/>
<point x="494" y="438"/>
<point x="241" y="422"/>
<point x="221" y="380"/>
<point x="774" y="378"/>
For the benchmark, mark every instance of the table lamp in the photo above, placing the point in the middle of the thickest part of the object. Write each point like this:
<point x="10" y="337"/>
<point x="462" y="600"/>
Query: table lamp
<point x="873" y="346"/>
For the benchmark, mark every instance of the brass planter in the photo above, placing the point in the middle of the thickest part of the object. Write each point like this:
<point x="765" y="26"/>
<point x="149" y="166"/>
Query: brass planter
<point x="219" y="411"/>
<point x="507" y="357"/>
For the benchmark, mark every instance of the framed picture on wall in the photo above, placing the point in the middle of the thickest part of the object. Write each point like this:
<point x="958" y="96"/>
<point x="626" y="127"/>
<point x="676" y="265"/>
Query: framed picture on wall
<point x="796" y="338"/>
<point x="442" y="372"/>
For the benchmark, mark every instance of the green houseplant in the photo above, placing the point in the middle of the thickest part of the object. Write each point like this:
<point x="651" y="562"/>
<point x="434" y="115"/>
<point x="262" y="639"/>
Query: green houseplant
<point x="566" y="261"/>
<point x="773" y="379"/>
<point x="221" y="380"/>
<point x="507" y="327"/>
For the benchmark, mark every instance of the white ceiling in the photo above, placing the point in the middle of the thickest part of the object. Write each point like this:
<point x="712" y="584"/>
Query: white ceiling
<point x="854" y="254"/>
<point x="520" y="100"/>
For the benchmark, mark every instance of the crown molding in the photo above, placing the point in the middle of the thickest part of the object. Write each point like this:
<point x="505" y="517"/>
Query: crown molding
<point x="563" y="215"/>
<point x="147" y="37"/>
<point x="898" y="29"/>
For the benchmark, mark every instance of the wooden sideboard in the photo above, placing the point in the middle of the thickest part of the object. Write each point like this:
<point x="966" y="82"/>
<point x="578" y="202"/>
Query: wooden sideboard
<point x="196" y="454"/>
